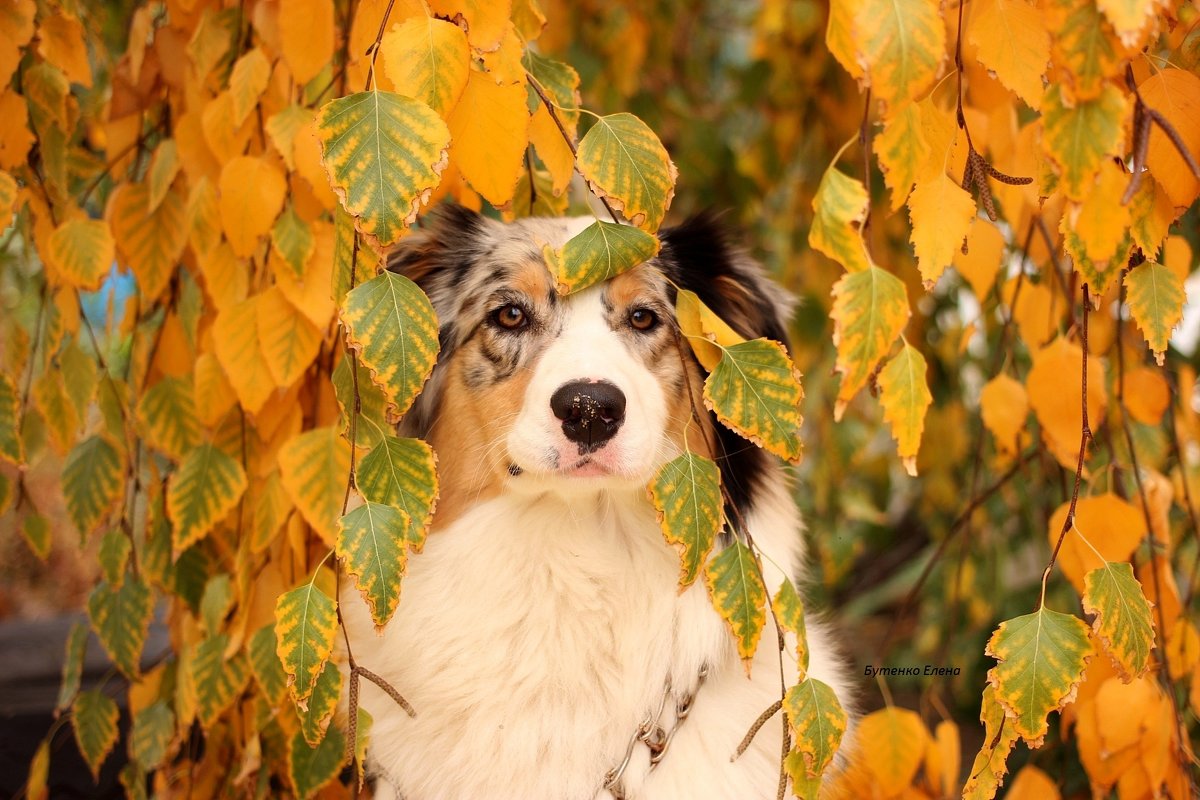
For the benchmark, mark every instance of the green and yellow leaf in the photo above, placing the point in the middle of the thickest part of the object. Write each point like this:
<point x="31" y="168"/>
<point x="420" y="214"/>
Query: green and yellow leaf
<point x="94" y="717"/>
<point x="1122" y="622"/>
<point x="11" y="447"/>
<point x="991" y="763"/>
<point x="402" y="473"/>
<point x="1078" y="137"/>
<point x="150" y="243"/>
<point x="82" y="251"/>
<point x="600" y="251"/>
<point x="706" y="333"/>
<point x="72" y="668"/>
<point x="36" y="530"/>
<point x="153" y="730"/>
<point x="206" y="487"/>
<point x="316" y="716"/>
<point x="288" y="339"/>
<point x="686" y="493"/>
<point x="92" y="480"/>
<point x="839" y="210"/>
<point x="905" y="397"/>
<point x="901" y="44"/>
<point x="870" y="309"/>
<point x="624" y="161"/>
<point x="818" y="723"/>
<point x="120" y="615"/>
<point x="311" y="768"/>
<point x="755" y="390"/>
<point x="293" y="240"/>
<point x="371" y="541"/>
<point x="312" y="468"/>
<point x="427" y="59"/>
<point x="789" y="613"/>
<point x="305" y="622"/>
<point x="167" y="412"/>
<point x="738" y="595"/>
<point x="1156" y="298"/>
<point x="218" y="678"/>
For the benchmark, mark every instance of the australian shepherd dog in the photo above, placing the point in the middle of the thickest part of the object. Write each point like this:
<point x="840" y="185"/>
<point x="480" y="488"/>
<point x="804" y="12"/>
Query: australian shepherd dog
<point x="541" y="637"/>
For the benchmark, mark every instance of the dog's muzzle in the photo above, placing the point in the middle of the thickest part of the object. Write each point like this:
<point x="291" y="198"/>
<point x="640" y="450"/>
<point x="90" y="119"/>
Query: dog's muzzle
<point x="591" y="412"/>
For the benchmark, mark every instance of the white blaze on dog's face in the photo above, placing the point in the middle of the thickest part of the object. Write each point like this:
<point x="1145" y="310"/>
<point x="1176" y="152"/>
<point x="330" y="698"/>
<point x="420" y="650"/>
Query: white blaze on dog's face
<point x="535" y="391"/>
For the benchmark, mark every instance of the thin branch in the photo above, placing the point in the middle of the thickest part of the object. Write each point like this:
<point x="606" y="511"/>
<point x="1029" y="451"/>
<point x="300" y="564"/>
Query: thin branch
<point x="763" y="719"/>
<point x="864" y="142"/>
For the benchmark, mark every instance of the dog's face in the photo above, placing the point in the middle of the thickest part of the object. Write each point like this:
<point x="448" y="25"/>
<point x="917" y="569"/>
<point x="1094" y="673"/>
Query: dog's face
<point x="543" y="392"/>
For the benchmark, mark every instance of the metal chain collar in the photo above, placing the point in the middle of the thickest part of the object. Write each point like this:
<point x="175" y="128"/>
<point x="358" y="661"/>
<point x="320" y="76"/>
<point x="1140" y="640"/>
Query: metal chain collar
<point x="652" y="734"/>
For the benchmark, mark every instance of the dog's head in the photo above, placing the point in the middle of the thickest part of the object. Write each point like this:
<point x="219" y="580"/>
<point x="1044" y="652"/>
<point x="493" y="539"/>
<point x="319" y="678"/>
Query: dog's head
<point x="535" y="390"/>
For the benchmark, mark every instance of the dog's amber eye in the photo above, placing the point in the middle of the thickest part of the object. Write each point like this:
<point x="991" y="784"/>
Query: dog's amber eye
<point x="642" y="319"/>
<point x="512" y="317"/>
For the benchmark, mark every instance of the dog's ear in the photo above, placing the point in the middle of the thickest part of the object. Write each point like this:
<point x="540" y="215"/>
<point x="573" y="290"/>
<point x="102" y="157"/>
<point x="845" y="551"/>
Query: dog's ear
<point x="436" y="255"/>
<point x="698" y="255"/>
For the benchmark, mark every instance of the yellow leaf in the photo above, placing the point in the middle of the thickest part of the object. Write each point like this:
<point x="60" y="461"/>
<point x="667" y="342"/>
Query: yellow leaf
<point x="427" y="59"/>
<point x="901" y="44"/>
<point x="61" y="42"/>
<point x="1032" y="784"/>
<point x="623" y="160"/>
<point x="8" y="196"/>
<point x="552" y="149"/>
<point x="1147" y="396"/>
<point x="289" y="341"/>
<point x="313" y="467"/>
<point x="306" y="31"/>
<point x="981" y="262"/>
<point x="1112" y="526"/>
<point x="991" y="763"/>
<point x="896" y="739"/>
<point x="705" y="331"/>
<point x="204" y="217"/>
<point x="487" y="20"/>
<point x="904" y="395"/>
<point x="901" y="148"/>
<point x="225" y="141"/>
<point x="213" y="394"/>
<point x="283" y="128"/>
<point x="310" y="293"/>
<point x="943" y="759"/>
<point x="1079" y="137"/>
<point x="16" y="29"/>
<point x="840" y="35"/>
<point x="164" y="166"/>
<point x="489" y="130"/>
<point x="247" y="82"/>
<point x="870" y="309"/>
<point x="1183" y="648"/>
<point x="1129" y="17"/>
<point x="1156" y="299"/>
<point x="226" y="277"/>
<point x="149" y="243"/>
<point x="82" y="251"/>
<point x="15" y="136"/>
<point x="1013" y="42"/>
<point x="1085" y="46"/>
<point x="1151" y="213"/>
<point x="252" y="193"/>
<point x="235" y="336"/>
<point x="1101" y="221"/>
<point x="839" y="209"/>
<point x="1174" y="93"/>
<point x="1004" y="406"/>
<point x="941" y="212"/>
<point x="1056" y="396"/>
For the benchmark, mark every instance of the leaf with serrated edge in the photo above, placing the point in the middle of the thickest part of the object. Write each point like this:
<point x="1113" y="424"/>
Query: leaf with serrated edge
<point x="1078" y="137"/>
<point x="1013" y="42"/>
<point x="991" y="763"/>
<point x="393" y="326"/>
<point x="1156" y="298"/>
<point x="153" y="729"/>
<point x="121" y="618"/>
<point x="371" y="542"/>
<point x="789" y="613"/>
<point x="1123" y="622"/>
<point x="738" y="596"/>
<point x="92" y="479"/>
<point x="686" y="493"/>
<point x="870" y="309"/>
<point x="371" y="423"/>
<point x="818" y="723"/>
<point x="149" y="242"/>
<point x="381" y="183"/>
<point x="1041" y="658"/>
<point x="316" y="716"/>
<point x="904" y="395"/>
<point x="312" y="468"/>
<point x="94" y="717"/>
<point x="82" y="250"/>
<point x="288" y="339"/>
<point x="264" y="664"/>
<point x="624" y="161"/>
<point x="755" y="390"/>
<point x="901" y="44"/>
<point x="293" y="240"/>
<point x="600" y="251"/>
<point x="216" y="678"/>
<point x="402" y="473"/>
<point x="11" y="447"/>
<point x="167" y="412"/>
<point x="941" y="212"/>
<point x="428" y="59"/>
<point x="206" y="487"/>
<point x="839" y="210"/>
<point x="305" y="621"/>
<point x="311" y="768"/>
<point x="72" y="668"/>
<point x="705" y="331"/>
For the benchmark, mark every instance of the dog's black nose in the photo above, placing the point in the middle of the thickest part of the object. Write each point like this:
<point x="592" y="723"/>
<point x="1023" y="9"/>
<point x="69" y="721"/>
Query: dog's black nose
<point x="590" y="412"/>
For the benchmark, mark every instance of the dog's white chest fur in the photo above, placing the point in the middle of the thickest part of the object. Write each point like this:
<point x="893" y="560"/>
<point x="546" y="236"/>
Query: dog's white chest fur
<point x="534" y="634"/>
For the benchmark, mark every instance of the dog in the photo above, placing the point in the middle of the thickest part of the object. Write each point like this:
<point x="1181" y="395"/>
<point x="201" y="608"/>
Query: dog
<point x="542" y="637"/>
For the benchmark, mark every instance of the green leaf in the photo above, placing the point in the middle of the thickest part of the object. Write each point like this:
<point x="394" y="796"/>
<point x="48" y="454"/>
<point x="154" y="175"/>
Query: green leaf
<point x="600" y="251"/>
<point x="383" y="153"/>
<point x="623" y="161"/>
<point x="94" y="717"/>
<point x="168" y="415"/>
<point x="371" y="542"/>
<point x="305" y="621"/>
<point x="839" y="210"/>
<point x="72" y="669"/>
<point x="206" y="487"/>
<point x="153" y="729"/>
<point x="393" y="326"/>
<point x="293" y="240"/>
<point x="905" y="398"/>
<point x="560" y="81"/>
<point x="755" y="390"/>
<point x="372" y="424"/>
<point x="36" y="530"/>
<point x="870" y="309"/>
<point x="739" y="596"/>
<point x="80" y="374"/>
<point x="818" y="722"/>
<point x="1042" y="658"/>
<point x="346" y="270"/>
<point x="218" y="679"/>
<point x="362" y="740"/>
<point x="120" y="616"/>
<point x="789" y="613"/>
<point x="1079" y="135"/>
<point x="991" y="763"/>
<point x="687" y="495"/>
<point x="114" y="555"/>
<point x="1156" y="298"/>
<point x="10" y="424"/>
<point x="1122" y="623"/>
<point x="264" y="663"/>
<point x="92" y="479"/>
<point x="215" y="602"/>
<point x="311" y="768"/>
<point x="402" y="473"/>
<point x="318" y="712"/>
